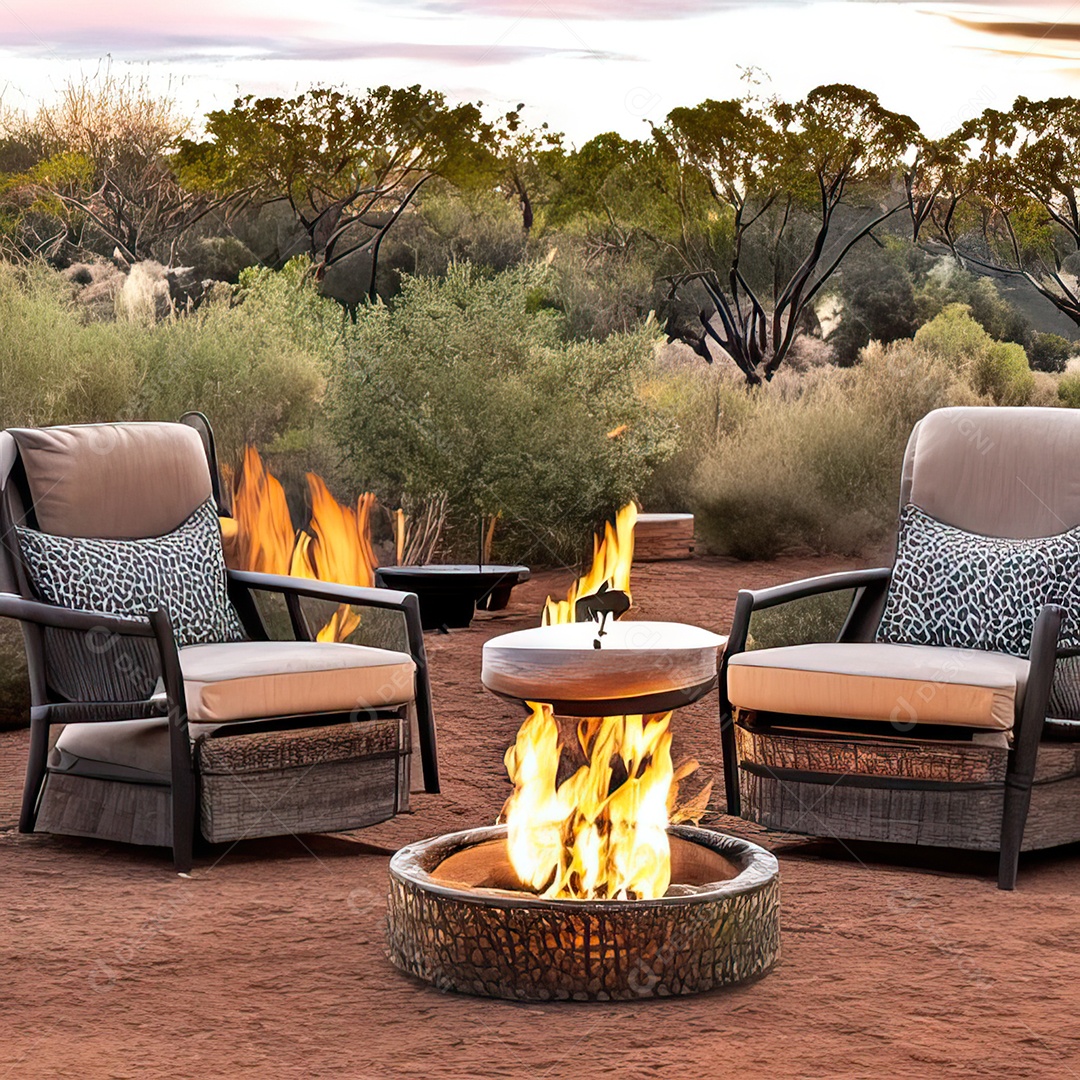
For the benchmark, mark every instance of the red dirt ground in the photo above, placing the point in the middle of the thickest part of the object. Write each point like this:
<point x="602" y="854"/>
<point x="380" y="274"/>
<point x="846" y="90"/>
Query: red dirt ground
<point x="269" y="960"/>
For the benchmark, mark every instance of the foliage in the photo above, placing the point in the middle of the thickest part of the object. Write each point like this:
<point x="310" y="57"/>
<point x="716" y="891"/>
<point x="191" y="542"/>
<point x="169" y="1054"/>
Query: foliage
<point x="878" y="297"/>
<point x="91" y="174"/>
<point x="256" y="368"/>
<point x="1049" y="352"/>
<point x="1069" y="390"/>
<point x="815" y="460"/>
<point x="246" y="366"/>
<point x="466" y="387"/>
<point x="771" y="168"/>
<point x="1002" y="193"/>
<point x="946" y="283"/>
<point x="346" y="165"/>
<point x="998" y="369"/>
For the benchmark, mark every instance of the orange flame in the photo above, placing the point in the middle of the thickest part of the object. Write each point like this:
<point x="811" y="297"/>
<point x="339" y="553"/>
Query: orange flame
<point x="335" y="546"/>
<point x="265" y="536"/>
<point x="583" y="838"/>
<point x="612" y="558"/>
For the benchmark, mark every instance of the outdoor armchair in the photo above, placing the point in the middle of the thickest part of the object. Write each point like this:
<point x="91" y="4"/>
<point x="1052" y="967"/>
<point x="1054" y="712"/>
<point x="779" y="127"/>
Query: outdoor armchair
<point x="917" y="725"/>
<point x="177" y="711"/>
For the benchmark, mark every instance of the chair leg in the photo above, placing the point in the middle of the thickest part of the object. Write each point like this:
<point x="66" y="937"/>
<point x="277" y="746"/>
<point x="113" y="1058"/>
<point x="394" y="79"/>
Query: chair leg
<point x="1013" y="820"/>
<point x="731" y="764"/>
<point x="183" y="827"/>
<point x="36" y="766"/>
<point x="184" y="798"/>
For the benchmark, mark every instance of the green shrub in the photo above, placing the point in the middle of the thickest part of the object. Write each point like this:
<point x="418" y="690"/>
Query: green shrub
<point x="947" y="284"/>
<point x="1049" y="352"/>
<point x="54" y="369"/>
<point x="998" y="369"/>
<point x="256" y="368"/>
<point x="1069" y="390"/>
<point x="816" y="462"/>
<point x="466" y="387"/>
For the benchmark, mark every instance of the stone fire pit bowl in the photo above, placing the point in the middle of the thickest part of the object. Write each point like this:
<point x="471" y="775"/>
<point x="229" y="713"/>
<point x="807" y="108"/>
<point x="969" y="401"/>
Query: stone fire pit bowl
<point x="458" y="919"/>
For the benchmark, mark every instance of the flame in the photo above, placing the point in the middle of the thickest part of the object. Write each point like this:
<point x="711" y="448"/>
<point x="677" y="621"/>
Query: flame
<point x="265" y="536"/>
<point x="335" y="546"/>
<point x="612" y="559"/>
<point x="585" y="838"/>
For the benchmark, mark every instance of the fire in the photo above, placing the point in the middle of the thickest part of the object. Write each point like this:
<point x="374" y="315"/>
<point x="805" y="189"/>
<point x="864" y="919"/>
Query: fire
<point x="265" y="536"/>
<point x="602" y="832"/>
<point x="335" y="546"/>
<point x="612" y="558"/>
<point x="585" y="838"/>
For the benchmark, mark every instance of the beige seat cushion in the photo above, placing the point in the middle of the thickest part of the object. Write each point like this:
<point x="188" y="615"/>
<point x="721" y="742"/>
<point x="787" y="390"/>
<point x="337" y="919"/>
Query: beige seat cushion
<point x="138" y="745"/>
<point x="905" y="684"/>
<point x="240" y="681"/>
<point x="247" y="679"/>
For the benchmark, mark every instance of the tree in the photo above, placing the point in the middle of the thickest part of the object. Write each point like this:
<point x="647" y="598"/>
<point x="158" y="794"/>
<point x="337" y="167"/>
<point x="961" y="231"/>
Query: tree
<point x="347" y="166"/>
<point x="1002" y="195"/>
<point x="833" y="159"/>
<point x="878" y="297"/>
<point x="620" y="192"/>
<point x="509" y="157"/>
<point x="1049" y="352"/>
<point x="91" y="173"/>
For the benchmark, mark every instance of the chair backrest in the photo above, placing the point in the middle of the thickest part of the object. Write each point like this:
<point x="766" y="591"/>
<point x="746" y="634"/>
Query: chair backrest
<point x="112" y="481"/>
<point x="1008" y="472"/>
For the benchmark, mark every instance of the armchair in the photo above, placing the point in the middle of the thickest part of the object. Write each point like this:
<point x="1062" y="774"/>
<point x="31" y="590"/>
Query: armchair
<point x="175" y="723"/>
<point x="873" y="738"/>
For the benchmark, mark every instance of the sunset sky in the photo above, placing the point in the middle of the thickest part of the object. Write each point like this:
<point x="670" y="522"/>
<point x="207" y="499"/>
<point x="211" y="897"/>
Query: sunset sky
<point x="585" y="67"/>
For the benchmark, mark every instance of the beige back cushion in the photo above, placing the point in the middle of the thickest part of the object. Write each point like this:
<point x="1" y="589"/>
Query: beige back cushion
<point x="1011" y="472"/>
<point x="113" y="481"/>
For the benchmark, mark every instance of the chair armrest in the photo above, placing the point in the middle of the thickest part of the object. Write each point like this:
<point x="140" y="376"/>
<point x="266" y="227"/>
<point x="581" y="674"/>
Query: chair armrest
<point x="751" y="600"/>
<point x="387" y="599"/>
<point x="61" y="618"/>
<point x="155" y="626"/>
<point x="815" y="586"/>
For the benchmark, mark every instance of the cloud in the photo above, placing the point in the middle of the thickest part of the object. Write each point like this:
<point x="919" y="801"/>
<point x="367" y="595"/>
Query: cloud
<point x="1032" y="29"/>
<point x="586" y="9"/>
<point x="566" y="10"/>
<point x="131" y="43"/>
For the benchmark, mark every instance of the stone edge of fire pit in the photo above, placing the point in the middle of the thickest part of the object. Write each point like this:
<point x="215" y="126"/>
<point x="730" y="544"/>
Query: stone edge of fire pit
<point x="526" y="948"/>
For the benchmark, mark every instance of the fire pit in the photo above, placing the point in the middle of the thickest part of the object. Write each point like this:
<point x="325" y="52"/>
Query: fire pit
<point x="595" y="888"/>
<point x="460" y="919"/>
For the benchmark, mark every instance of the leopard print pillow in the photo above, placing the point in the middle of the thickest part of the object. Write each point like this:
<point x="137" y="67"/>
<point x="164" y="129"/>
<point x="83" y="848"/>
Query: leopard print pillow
<point x="961" y="589"/>
<point x="182" y="571"/>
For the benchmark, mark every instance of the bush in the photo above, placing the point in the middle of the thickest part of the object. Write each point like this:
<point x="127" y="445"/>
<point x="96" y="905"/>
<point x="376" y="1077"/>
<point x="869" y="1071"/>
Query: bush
<point x="466" y="387"/>
<point x="816" y="462"/>
<point x="1049" y="352"/>
<point x="998" y="369"/>
<point x="1069" y="390"/>
<point x="947" y="285"/>
<point x="256" y="368"/>
<point x="878" y="300"/>
<point x="55" y="369"/>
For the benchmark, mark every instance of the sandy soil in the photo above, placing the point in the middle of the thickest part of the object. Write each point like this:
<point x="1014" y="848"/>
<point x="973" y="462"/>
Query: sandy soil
<point x="269" y="961"/>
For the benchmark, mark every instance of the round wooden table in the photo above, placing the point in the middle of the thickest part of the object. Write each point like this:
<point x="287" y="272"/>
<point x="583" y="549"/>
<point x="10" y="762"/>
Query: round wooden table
<point x="639" y="667"/>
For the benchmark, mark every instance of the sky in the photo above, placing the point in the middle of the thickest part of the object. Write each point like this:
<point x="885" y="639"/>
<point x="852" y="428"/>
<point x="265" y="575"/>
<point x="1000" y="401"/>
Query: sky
<point x="585" y="67"/>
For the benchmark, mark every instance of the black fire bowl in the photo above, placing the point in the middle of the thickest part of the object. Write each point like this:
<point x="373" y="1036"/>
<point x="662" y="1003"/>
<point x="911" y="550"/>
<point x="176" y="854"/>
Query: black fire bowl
<point x="450" y="593"/>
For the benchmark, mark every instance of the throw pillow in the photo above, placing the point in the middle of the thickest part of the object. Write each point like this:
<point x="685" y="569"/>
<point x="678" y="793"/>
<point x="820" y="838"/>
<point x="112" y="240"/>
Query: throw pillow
<point x="182" y="571"/>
